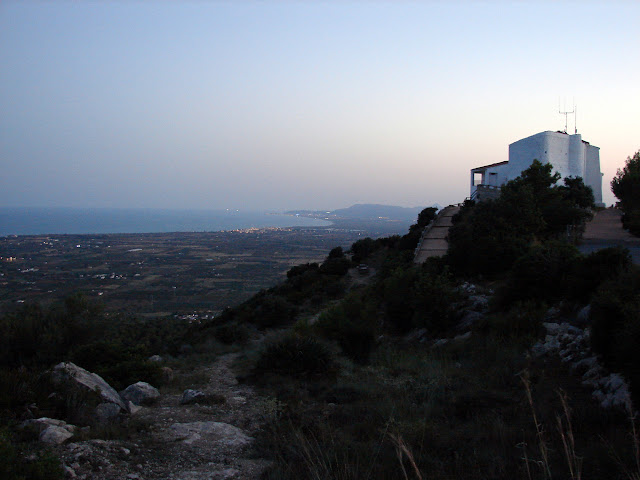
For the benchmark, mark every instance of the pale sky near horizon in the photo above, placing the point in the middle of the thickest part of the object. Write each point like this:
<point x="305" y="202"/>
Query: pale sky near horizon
<point x="299" y="104"/>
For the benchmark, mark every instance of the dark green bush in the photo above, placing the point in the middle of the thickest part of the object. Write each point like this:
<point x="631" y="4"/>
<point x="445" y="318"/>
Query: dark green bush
<point x="487" y="238"/>
<point x="298" y="270"/>
<point x="230" y="333"/>
<point x="268" y="311"/>
<point x="433" y="296"/>
<point x="523" y="321"/>
<point x="362" y="249"/>
<point x="396" y="297"/>
<point x="296" y="356"/>
<point x="615" y="326"/>
<point x="118" y="365"/>
<point x="335" y="266"/>
<point x="597" y="268"/>
<point x="352" y="324"/>
<point x="631" y="221"/>
<point x="16" y="464"/>
<point x="543" y="273"/>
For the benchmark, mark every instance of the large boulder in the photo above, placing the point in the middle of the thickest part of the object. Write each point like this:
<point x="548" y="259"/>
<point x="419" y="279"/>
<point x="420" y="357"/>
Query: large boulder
<point x="84" y="391"/>
<point x="140" y="393"/>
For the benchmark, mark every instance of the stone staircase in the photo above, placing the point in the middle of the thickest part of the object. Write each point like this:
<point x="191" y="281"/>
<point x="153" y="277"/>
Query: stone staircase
<point x="433" y="242"/>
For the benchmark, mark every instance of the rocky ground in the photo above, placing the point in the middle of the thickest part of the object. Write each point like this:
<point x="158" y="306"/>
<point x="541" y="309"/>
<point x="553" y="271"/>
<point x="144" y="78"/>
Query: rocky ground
<point x="209" y="439"/>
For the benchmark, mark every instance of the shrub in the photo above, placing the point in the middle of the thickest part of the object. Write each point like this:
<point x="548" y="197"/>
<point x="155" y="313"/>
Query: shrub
<point x="597" y="268"/>
<point x="523" y="321"/>
<point x="271" y="311"/>
<point x="615" y="326"/>
<point x="542" y="273"/>
<point x="302" y="269"/>
<point x="118" y="365"/>
<point x="352" y="323"/>
<point x="396" y="299"/>
<point x="335" y="266"/>
<point x="15" y="464"/>
<point x="362" y="249"/>
<point x="434" y="294"/>
<point x="296" y="356"/>
<point x="230" y="333"/>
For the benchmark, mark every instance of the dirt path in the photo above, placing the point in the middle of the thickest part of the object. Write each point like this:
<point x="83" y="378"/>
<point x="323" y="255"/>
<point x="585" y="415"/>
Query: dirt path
<point x="209" y="440"/>
<point x="605" y="230"/>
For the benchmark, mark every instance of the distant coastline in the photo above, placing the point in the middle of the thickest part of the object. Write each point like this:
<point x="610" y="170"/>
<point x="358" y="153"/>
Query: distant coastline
<point x="77" y="221"/>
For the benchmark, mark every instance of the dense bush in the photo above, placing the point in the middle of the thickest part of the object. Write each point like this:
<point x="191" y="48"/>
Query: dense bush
<point x="626" y="187"/>
<point x="118" y="365"/>
<point x="395" y="294"/>
<point x="489" y="237"/>
<point x="301" y="269"/>
<point x="353" y="324"/>
<point x="296" y="356"/>
<point x="411" y="239"/>
<point x="17" y="464"/>
<point x="543" y="273"/>
<point x="596" y="268"/>
<point x="335" y="266"/>
<point x="362" y="249"/>
<point x="418" y="298"/>
<point x="230" y="333"/>
<point x="434" y="295"/>
<point x="269" y="310"/>
<point x="615" y="326"/>
<point x="521" y="322"/>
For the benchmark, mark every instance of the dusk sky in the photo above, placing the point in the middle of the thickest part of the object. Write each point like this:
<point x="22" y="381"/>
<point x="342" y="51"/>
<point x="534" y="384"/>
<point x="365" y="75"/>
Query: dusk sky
<point x="290" y="105"/>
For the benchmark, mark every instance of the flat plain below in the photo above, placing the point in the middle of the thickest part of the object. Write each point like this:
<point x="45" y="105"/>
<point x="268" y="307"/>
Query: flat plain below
<point x="159" y="274"/>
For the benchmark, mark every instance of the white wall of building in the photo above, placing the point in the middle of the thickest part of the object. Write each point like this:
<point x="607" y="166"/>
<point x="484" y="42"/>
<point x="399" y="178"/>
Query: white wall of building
<point x="569" y="155"/>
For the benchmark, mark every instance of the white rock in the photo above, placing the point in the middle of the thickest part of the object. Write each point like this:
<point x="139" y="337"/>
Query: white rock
<point x="55" y="435"/>
<point x="614" y="382"/>
<point x="140" y="393"/>
<point x="552" y="328"/>
<point x="190" y="396"/>
<point x="77" y="377"/>
<point x="224" y="433"/>
<point x="464" y="336"/>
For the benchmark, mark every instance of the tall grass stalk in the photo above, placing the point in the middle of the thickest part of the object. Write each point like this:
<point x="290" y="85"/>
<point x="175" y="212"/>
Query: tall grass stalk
<point x="574" y="462"/>
<point x="631" y="474"/>
<point x="542" y="443"/>
<point x="403" y="450"/>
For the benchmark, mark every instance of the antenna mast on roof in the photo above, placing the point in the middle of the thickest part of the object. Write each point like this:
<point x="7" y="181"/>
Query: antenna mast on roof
<point x="566" y="113"/>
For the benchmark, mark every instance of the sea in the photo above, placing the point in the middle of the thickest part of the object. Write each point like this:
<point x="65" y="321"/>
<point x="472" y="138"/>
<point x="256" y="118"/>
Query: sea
<point x="42" y="221"/>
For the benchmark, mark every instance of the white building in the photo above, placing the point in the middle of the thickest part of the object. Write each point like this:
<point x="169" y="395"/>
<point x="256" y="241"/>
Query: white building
<point x="569" y="154"/>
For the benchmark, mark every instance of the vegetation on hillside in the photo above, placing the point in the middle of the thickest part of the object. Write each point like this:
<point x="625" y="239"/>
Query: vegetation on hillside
<point x="401" y="370"/>
<point x="365" y="391"/>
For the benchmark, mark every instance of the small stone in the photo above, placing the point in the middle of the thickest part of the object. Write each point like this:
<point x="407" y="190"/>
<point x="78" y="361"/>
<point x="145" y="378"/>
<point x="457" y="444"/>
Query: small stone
<point x="190" y="396"/>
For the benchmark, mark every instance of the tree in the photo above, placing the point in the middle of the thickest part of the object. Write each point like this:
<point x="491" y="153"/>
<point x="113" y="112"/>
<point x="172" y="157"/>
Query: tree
<point x="626" y="184"/>
<point x="489" y="236"/>
<point x="411" y="239"/>
<point x="575" y="191"/>
<point x="626" y="187"/>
